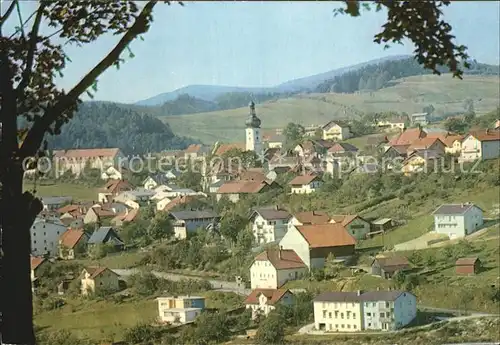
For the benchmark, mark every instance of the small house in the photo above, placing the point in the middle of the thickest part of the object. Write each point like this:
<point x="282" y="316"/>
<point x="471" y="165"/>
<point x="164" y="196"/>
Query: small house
<point x="467" y="266"/>
<point x="52" y="203"/>
<point x="99" y="280"/>
<point x="263" y="301"/>
<point x="457" y="220"/>
<point x="36" y="265"/>
<point x="480" y="145"/>
<point x="386" y="267"/>
<point x="70" y="242"/>
<point x="106" y="235"/>
<point x="336" y="130"/>
<point x="383" y="224"/>
<point x="180" y="309"/>
<point x="305" y="184"/>
<point x="185" y="222"/>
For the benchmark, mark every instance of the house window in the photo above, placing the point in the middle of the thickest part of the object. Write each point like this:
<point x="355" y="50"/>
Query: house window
<point x="324" y="314"/>
<point x="382" y="314"/>
<point x="330" y="315"/>
<point x="349" y="326"/>
<point x="353" y="315"/>
<point x="34" y="234"/>
<point x="387" y="304"/>
<point x="369" y="314"/>
<point x="342" y="326"/>
<point x="341" y="315"/>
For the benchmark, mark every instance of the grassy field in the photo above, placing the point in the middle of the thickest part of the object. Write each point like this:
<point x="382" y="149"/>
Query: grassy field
<point x="77" y="191"/>
<point x="409" y="95"/>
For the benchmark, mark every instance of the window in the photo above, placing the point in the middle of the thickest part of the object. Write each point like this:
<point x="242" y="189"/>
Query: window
<point x="336" y="326"/>
<point x="34" y="234"/>
<point x="369" y="324"/>
<point x="342" y="326"/>
<point x="349" y="326"/>
<point x="387" y="304"/>
<point x="330" y="315"/>
<point x="353" y="315"/>
<point x="369" y="314"/>
<point x="324" y="314"/>
<point x="341" y="315"/>
<point x="382" y="314"/>
<point x="354" y="326"/>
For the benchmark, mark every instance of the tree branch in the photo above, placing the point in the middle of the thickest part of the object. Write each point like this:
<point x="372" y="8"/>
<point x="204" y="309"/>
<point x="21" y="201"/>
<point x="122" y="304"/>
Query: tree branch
<point x="30" y="58"/>
<point x="8" y="13"/>
<point x="41" y="125"/>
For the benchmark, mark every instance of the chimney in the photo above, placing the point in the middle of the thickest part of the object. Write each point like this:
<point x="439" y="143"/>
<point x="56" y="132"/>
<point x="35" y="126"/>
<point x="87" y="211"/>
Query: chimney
<point x="359" y="292"/>
<point x="279" y="252"/>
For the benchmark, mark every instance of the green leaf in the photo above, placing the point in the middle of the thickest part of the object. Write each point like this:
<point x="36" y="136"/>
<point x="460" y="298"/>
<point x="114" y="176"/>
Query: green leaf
<point x="90" y="94"/>
<point x="131" y="55"/>
<point x="68" y="59"/>
<point x="60" y="74"/>
<point x="94" y="86"/>
<point x="141" y="38"/>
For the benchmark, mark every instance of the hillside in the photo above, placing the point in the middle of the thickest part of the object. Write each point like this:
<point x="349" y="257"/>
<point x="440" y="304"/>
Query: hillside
<point x="409" y="95"/>
<point x="211" y="92"/>
<point x="110" y="125"/>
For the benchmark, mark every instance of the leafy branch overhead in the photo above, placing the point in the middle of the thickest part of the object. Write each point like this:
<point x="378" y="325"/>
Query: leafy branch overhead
<point x="422" y="23"/>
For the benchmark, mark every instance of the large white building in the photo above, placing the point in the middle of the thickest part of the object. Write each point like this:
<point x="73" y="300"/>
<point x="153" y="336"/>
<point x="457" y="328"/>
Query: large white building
<point x="359" y="311"/>
<point x="269" y="224"/>
<point x="45" y="235"/>
<point x="457" y="220"/>
<point x="253" y="137"/>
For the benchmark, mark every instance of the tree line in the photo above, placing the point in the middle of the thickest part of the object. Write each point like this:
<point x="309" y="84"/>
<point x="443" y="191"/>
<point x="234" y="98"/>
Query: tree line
<point x="97" y="125"/>
<point x="377" y="76"/>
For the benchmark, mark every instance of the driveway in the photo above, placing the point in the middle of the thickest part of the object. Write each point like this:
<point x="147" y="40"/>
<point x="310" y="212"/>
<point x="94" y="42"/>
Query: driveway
<point x="218" y="285"/>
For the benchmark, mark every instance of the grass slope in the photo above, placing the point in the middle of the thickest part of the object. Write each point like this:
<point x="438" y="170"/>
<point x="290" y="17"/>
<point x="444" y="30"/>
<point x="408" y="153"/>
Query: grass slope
<point x="79" y="192"/>
<point x="409" y="95"/>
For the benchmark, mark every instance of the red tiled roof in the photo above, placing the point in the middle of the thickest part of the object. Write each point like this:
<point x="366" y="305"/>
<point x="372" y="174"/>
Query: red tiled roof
<point x="103" y="212"/>
<point x="95" y="271"/>
<point x="36" y="261"/>
<point x="249" y="175"/>
<point x="179" y="200"/>
<point x="466" y="261"/>
<point x="68" y="208"/>
<point x="223" y="148"/>
<point x="236" y="187"/>
<point x="193" y="148"/>
<point x="392" y="263"/>
<point x="342" y="147"/>
<point x="288" y="259"/>
<point x="487" y="135"/>
<point x="303" y="179"/>
<point x="273" y="295"/>
<point x="312" y="217"/>
<point x="450" y="139"/>
<point x="127" y="216"/>
<point x="71" y="237"/>
<point x="326" y="235"/>
<point x="113" y="186"/>
<point x="424" y="143"/>
<point x="408" y="137"/>
<point x="86" y="153"/>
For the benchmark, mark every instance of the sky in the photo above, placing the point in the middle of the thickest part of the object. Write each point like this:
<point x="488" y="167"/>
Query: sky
<point x="257" y="44"/>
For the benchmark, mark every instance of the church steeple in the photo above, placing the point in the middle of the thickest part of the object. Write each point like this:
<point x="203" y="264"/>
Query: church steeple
<point x="252" y="132"/>
<point x="252" y="121"/>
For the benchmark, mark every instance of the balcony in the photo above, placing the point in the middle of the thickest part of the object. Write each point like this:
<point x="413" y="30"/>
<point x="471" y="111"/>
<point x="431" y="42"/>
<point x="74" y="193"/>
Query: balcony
<point x="470" y="150"/>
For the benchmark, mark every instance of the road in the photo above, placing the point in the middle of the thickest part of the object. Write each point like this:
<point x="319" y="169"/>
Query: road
<point x="219" y="285"/>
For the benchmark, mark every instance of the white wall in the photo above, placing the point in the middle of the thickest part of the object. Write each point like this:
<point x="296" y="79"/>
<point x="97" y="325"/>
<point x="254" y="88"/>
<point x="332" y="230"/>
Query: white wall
<point x="263" y="275"/>
<point x="253" y="140"/>
<point x="451" y="225"/>
<point x="45" y="237"/>
<point x="338" y="316"/>
<point x="294" y="240"/>
<point x="471" y="149"/>
<point x="306" y="189"/>
<point x="269" y="230"/>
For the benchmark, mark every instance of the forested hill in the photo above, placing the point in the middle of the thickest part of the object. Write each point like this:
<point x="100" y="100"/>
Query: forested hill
<point x="377" y="76"/>
<point x="109" y="125"/>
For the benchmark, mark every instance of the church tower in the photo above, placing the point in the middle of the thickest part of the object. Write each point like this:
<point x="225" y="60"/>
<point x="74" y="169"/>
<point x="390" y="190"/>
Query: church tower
<point x="253" y="135"/>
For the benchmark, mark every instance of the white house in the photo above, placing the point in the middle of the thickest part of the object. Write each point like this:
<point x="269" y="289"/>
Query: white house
<point x="480" y="145"/>
<point x="457" y="220"/>
<point x="180" y="309"/>
<point x="45" y="236"/>
<point x="337" y="130"/>
<point x="305" y="184"/>
<point x="313" y="243"/>
<point x="185" y="222"/>
<point x="273" y="268"/>
<point x="398" y="122"/>
<point x="342" y="311"/>
<point x="388" y="310"/>
<point x="76" y="160"/>
<point x="269" y="224"/>
<point x="263" y="301"/>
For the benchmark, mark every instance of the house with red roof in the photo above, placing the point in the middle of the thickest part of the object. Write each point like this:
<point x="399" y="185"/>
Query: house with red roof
<point x="96" y="279"/>
<point x="263" y="301"/>
<point x="269" y="224"/>
<point x="37" y="262"/>
<point x="408" y="137"/>
<point x="233" y="190"/>
<point x="70" y="242"/>
<point x="427" y="143"/>
<point x="480" y="145"/>
<point x="305" y="184"/>
<point x="76" y="160"/>
<point x="274" y="267"/>
<point x="313" y="243"/>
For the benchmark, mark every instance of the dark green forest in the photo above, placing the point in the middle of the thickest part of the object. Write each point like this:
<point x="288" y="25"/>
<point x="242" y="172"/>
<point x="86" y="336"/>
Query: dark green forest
<point x="109" y="125"/>
<point x="378" y="76"/>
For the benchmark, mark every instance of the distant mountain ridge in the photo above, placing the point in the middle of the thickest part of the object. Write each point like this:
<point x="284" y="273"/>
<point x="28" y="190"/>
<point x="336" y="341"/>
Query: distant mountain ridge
<point x="211" y="92"/>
